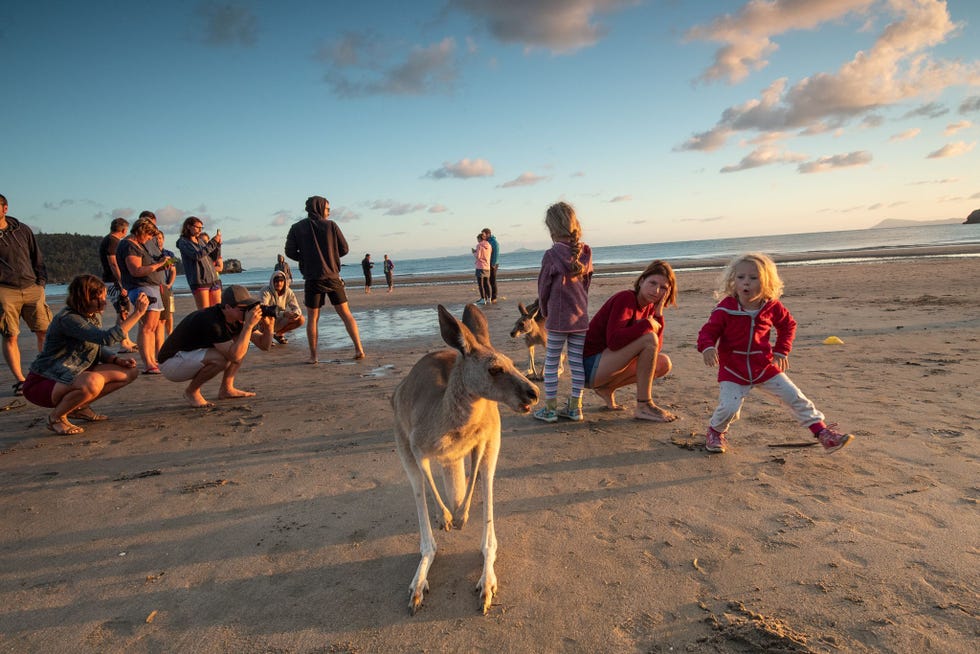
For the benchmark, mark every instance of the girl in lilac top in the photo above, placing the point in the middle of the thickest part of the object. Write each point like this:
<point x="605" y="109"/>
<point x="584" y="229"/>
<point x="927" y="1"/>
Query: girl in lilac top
<point x="563" y="299"/>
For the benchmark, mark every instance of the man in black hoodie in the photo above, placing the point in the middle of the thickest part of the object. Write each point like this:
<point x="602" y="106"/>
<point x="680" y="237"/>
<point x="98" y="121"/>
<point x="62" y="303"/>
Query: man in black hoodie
<point x="22" y="280"/>
<point x="317" y="243"/>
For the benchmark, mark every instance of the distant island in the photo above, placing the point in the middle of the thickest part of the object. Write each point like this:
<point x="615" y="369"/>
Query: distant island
<point x="896" y="222"/>
<point x="973" y="218"/>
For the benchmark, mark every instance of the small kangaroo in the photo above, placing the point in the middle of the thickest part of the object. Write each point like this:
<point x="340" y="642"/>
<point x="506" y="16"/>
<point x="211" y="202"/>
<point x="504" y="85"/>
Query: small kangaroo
<point x="445" y="410"/>
<point x="530" y="325"/>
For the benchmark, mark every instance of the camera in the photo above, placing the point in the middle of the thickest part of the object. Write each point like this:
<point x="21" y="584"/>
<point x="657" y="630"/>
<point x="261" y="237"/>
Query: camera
<point x="151" y="299"/>
<point x="268" y="310"/>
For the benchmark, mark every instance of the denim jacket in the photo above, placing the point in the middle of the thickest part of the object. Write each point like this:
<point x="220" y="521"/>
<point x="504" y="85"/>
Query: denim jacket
<point x="73" y="344"/>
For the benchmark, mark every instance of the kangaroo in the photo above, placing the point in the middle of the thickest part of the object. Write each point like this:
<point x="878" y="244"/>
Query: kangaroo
<point x="530" y="325"/>
<point x="446" y="409"/>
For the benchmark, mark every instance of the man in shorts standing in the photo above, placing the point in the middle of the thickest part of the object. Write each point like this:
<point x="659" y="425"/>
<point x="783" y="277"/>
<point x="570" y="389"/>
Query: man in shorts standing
<point x="317" y="243"/>
<point x="112" y="277"/>
<point x="22" y="280"/>
<point x="212" y="341"/>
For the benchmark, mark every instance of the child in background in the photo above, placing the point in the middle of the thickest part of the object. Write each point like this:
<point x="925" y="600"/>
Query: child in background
<point x="563" y="298"/>
<point x="736" y="338"/>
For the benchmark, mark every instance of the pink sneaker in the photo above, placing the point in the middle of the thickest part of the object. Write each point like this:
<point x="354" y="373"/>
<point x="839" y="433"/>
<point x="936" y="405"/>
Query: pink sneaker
<point x="715" y="441"/>
<point x="831" y="439"/>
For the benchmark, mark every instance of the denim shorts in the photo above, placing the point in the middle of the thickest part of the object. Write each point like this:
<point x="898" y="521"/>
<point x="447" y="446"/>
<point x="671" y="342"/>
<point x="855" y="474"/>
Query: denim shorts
<point x="591" y="365"/>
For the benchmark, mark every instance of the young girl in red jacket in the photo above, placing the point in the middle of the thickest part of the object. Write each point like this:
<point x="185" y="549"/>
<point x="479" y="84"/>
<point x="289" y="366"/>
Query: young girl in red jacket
<point x="736" y="339"/>
<point x="563" y="299"/>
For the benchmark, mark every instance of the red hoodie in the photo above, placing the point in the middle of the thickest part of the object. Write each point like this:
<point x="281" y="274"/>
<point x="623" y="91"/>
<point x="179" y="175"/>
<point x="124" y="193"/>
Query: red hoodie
<point x="743" y="340"/>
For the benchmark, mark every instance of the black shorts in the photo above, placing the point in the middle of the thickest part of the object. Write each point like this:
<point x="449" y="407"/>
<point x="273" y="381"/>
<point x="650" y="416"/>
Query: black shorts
<point x="315" y="290"/>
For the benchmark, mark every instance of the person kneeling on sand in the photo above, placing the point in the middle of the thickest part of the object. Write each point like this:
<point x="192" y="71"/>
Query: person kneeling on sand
<point x="214" y="341"/>
<point x="288" y="316"/>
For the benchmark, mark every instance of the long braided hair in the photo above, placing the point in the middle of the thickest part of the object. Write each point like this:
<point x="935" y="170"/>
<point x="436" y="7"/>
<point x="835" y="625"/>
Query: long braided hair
<point x="564" y="226"/>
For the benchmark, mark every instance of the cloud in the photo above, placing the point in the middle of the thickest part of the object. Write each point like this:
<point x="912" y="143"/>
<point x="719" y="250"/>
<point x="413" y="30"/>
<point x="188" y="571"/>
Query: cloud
<point x="952" y="128"/>
<point x="895" y="69"/>
<point x="929" y="110"/>
<point x="462" y="169"/>
<point x="906" y="135"/>
<point x="227" y="24"/>
<point x="872" y="120"/>
<point x="826" y="164"/>
<point x="281" y="217"/>
<point x="359" y="66"/>
<point x="970" y="104"/>
<point x="524" y="179"/>
<point x="393" y="208"/>
<point x="561" y="26"/>
<point x="170" y="217"/>
<point x="746" y="35"/>
<point x="764" y="156"/>
<point x="343" y="215"/>
<point x="948" y="180"/>
<point x="438" y="208"/>
<point x="952" y="150"/>
<point x="621" y="198"/>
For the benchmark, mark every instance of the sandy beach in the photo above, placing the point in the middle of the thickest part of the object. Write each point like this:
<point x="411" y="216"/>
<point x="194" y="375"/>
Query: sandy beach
<point x="285" y="522"/>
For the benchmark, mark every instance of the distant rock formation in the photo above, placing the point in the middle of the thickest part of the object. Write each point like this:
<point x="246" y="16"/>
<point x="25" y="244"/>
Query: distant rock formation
<point x="232" y="266"/>
<point x="973" y="218"/>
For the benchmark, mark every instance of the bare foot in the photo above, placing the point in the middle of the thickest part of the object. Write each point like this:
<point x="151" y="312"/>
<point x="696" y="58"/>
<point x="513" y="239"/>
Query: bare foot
<point x="650" y="411"/>
<point x="312" y="362"/>
<point x="609" y="397"/>
<point x="359" y="355"/>
<point x="197" y="400"/>
<point x="227" y="394"/>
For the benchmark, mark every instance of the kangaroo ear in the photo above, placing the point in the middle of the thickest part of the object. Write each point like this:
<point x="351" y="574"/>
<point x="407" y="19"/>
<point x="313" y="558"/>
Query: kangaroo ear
<point x="520" y="307"/>
<point x="455" y="333"/>
<point x="477" y="323"/>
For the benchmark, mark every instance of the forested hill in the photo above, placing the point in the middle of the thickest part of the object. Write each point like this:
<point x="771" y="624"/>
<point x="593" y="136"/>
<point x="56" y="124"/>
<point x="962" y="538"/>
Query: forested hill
<point x="67" y="255"/>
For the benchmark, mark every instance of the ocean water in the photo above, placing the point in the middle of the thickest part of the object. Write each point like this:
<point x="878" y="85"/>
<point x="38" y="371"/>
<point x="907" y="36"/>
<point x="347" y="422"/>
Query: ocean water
<point x="375" y="324"/>
<point x="408" y="271"/>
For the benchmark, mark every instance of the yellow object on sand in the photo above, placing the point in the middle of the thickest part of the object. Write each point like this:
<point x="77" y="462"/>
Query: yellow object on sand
<point x="832" y="340"/>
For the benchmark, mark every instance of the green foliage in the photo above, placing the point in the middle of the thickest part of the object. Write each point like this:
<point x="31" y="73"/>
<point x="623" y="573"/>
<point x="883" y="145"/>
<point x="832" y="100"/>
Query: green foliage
<point x="67" y="255"/>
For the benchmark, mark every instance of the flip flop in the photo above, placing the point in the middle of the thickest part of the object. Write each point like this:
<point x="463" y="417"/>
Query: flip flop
<point x="152" y="371"/>
<point x="18" y="388"/>
<point x="87" y="414"/>
<point x="63" y="427"/>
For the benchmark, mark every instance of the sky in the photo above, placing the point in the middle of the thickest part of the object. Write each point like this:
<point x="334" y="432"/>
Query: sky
<point x="423" y="122"/>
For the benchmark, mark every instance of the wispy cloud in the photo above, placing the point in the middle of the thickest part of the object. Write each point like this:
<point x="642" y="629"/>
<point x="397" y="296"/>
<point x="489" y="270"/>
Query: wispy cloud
<point x="952" y="128"/>
<point x="928" y="110"/>
<point x="227" y="24"/>
<point x="357" y="65"/>
<point x="561" y="26"/>
<point x="621" y="198"/>
<point x="826" y="164"/>
<point x="281" y="217"/>
<point x="948" y="180"/>
<point x="746" y="36"/>
<point x="906" y="135"/>
<point x="764" y="156"/>
<point x="462" y="169"/>
<point x="896" y="68"/>
<point x="952" y="150"/>
<point x="524" y="179"/>
<point x="394" y="208"/>
<point x="970" y="104"/>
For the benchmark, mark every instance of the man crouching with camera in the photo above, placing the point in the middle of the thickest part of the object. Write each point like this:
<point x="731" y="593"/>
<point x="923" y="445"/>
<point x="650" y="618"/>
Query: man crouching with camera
<point x="214" y="341"/>
<point x="279" y="302"/>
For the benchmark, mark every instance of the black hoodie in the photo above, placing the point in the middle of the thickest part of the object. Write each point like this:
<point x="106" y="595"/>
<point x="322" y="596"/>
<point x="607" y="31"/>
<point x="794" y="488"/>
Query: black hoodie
<point x="21" y="263"/>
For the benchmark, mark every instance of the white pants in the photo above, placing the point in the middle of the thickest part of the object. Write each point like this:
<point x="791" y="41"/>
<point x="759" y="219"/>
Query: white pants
<point x="732" y="395"/>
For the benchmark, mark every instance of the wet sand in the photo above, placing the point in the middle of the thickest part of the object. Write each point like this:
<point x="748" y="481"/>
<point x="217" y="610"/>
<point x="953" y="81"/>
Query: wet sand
<point x="285" y="522"/>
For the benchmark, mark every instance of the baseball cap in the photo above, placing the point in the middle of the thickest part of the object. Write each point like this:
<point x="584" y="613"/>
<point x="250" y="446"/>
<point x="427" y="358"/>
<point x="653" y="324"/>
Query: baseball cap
<point x="237" y="296"/>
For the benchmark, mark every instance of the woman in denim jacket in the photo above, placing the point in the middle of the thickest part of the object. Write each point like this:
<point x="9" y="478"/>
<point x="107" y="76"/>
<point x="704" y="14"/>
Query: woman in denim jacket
<point x="198" y="254"/>
<point x="74" y="368"/>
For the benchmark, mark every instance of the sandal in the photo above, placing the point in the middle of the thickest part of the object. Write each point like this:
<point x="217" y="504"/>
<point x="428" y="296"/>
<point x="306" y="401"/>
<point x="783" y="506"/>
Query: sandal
<point x="19" y="388"/>
<point x="152" y="371"/>
<point x="87" y="414"/>
<point x="63" y="427"/>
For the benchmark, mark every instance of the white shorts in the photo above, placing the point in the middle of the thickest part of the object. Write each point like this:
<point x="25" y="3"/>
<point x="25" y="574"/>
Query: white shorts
<point x="184" y="365"/>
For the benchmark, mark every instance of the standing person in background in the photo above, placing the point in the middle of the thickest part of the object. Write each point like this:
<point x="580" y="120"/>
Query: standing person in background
<point x="563" y="299"/>
<point x="155" y="247"/>
<point x="366" y="266"/>
<point x="112" y="277"/>
<point x="283" y="266"/>
<point x="389" y="268"/>
<point x="317" y="243"/>
<point x="22" y="280"/>
<point x="167" y="291"/>
<point x="481" y="256"/>
<point x="137" y="267"/>
<point x="195" y="252"/>
<point x="494" y="253"/>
